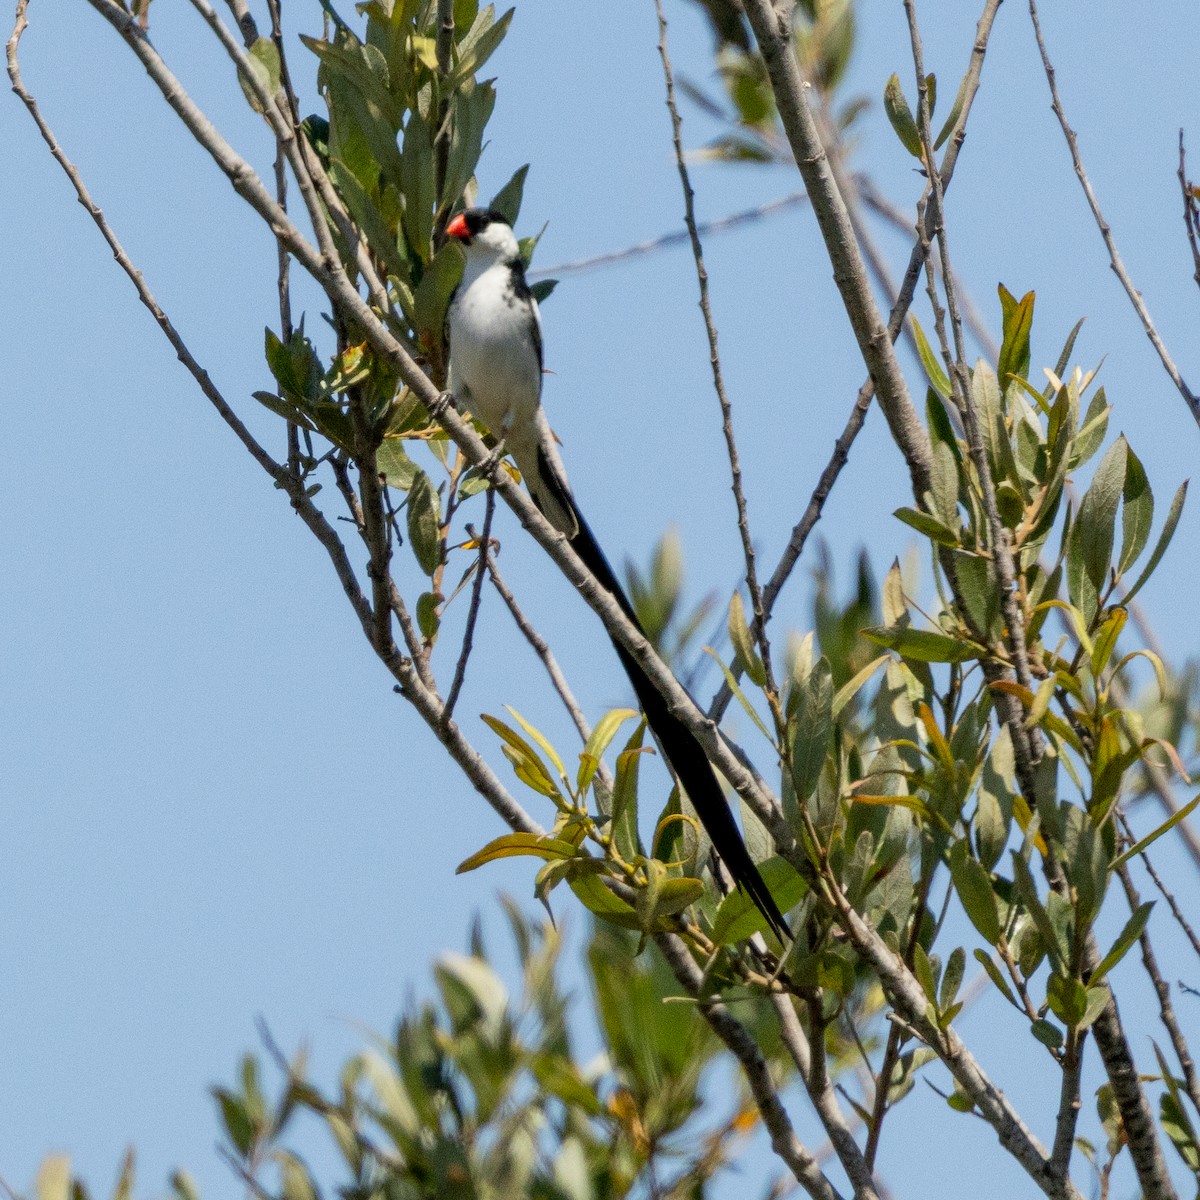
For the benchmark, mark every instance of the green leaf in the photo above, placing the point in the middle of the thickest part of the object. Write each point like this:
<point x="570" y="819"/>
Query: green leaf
<point x="1095" y="525"/>
<point x="933" y="368"/>
<point x="602" y="734"/>
<point x="518" y="845"/>
<point x="923" y="969"/>
<point x="853" y="686"/>
<point x="1018" y="320"/>
<point x="1027" y="891"/>
<point x="674" y="895"/>
<point x="744" y="651"/>
<point x="922" y="645"/>
<point x="1125" y="939"/>
<point x="1065" y="357"/>
<point x="428" y="620"/>
<point x="599" y="901"/>
<point x="1067" y="999"/>
<point x="952" y="117"/>
<point x="472" y="111"/>
<point x="528" y="765"/>
<point x="814" y="724"/>
<point x="542" y="288"/>
<point x="417" y="184"/>
<point x="993" y="973"/>
<point x="1092" y="433"/>
<point x="508" y="199"/>
<point x="393" y="463"/>
<point x="424" y="522"/>
<point x="1151" y="838"/>
<point x="542" y="741"/>
<point x="1164" y="540"/>
<point x="1097" y="1001"/>
<point x="1106" y="639"/>
<point x="979" y="587"/>
<point x="929" y="525"/>
<point x="974" y="889"/>
<point x="952" y="978"/>
<point x="739" y="695"/>
<point x="1137" y="513"/>
<point x="625" y="794"/>
<point x="480" y="43"/>
<point x="1047" y="1033"/>
<point x="901" y="118"/>
<point x="54" y="1178"/>
<point x="739" y="918"/>
<point x="236" y="1120"/>
<point x="263" y="58"/>
<point x="381" y="238"/>
<point x="1085" y="861"/>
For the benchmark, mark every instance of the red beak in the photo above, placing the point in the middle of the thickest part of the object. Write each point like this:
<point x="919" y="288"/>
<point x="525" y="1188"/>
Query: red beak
<point x="458" y="229"/>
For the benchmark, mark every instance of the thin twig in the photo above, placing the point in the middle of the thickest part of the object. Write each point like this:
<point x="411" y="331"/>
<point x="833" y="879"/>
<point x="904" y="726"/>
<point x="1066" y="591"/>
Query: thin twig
<point x="1114" y="257"/>
<point x="214" y="397"/>
<point x="1191" y="210"/>
<point x="1168" y="896"/>
<point x="783" y="70"/>
<point x="484" y="539"/>
<point x="610" y="258"/>
<point x="714" y="357"/>
<point x="1166" y="1010"/>
<point x="824" y="1100"/>
<point x="737" y="1039"/>
<point x="444" y="47"/>
<point x="812" y="512"/>
<point x="884" y="208"/>
<point x="1068" y="1103"/>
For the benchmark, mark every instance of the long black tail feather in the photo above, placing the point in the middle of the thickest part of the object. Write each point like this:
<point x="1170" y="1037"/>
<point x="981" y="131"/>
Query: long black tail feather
<point x="680" y="746"/>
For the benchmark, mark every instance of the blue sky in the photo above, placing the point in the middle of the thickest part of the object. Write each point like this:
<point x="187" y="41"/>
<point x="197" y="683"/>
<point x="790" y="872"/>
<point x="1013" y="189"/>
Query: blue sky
<point x="215" y="806"/>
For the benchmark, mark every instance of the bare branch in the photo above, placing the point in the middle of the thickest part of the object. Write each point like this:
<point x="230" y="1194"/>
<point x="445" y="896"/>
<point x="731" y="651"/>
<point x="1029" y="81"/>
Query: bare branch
<point x="484" y="539"/>
<point x="1191" y="210"/>
<point x="747" y="216"/>
<point x="824" y="1100"/>
<point x="841" y="451"/>
<point x="402" y="669"/>
<point x="849" y="272"/>
<point x="1068" y="1103"/>
<point x="1114" y="257"/>
<point x="714" y="358"/>
<point x="1166" y="1009"/>
<point x="730" y="1030"/>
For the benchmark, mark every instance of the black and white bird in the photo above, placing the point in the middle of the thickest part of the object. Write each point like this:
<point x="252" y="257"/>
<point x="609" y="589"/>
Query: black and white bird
<point x="495" y="335"/>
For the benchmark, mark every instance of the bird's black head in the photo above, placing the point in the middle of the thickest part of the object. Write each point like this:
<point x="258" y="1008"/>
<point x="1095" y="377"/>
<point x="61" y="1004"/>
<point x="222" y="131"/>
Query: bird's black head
<point x="468" y="225"/>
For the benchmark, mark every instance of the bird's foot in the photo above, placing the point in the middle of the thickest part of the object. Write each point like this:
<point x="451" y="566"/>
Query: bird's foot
<point x="489" y="466"/>
<point x="444" y="401"/>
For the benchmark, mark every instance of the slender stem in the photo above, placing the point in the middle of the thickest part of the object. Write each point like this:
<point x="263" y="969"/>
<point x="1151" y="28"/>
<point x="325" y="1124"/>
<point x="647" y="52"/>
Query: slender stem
<point x="824" y="1099"/>
<point x="1166" y="1010"/>
<point x="714" y="357"/>
<point x="849" y="272"/>
<point x="1068" y="1104"/>
<point x="738" y="1041"/>
<point x="1114" y="256"/>
<point x="812" y="512"/>
<point x="460" y="669"/>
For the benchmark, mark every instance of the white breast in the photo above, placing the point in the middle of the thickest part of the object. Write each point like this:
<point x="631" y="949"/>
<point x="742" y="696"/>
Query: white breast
<point x="494" y="368"/>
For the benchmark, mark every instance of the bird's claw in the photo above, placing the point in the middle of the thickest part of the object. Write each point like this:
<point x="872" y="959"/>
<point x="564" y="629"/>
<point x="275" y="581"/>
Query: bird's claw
<point x="444" y="401"/>
<point x="489" y="466"/>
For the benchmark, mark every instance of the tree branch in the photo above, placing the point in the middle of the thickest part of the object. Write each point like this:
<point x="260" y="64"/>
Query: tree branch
<point x="784" y="1141"/>
<point x="824" y="1100"/>
<point x="714" y="357"/>
<point x="849" y="272"/>
<point x="1114" y="257"/>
